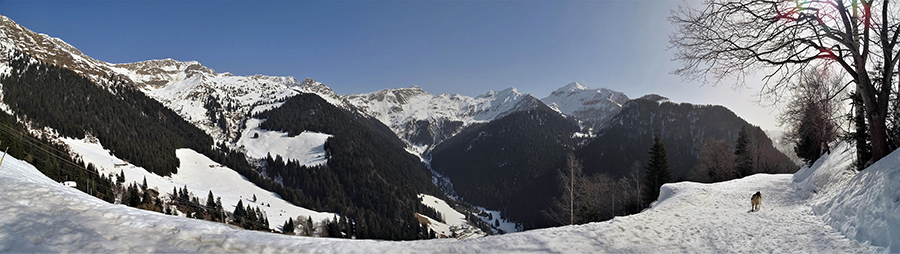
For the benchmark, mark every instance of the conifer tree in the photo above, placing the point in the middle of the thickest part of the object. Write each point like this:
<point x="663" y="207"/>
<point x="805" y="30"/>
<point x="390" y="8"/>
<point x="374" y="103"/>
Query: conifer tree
<point x="807" y="147"/>
<point x="658" y="172"/>
<point x="308" y="229"/>
<point x="288" y="228"/>
<point x="239" y="211"/>
<point x="210" y="201"/>
<point x="743" y="156"/>
<point x="121" y="177"/>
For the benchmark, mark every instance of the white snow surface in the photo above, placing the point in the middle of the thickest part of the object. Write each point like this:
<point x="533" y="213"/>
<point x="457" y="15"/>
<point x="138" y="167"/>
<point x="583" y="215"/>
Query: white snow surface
<point x="308" y="148"/>
<point x="864" y="205"/>
<point x="201" y="175"/>
<point x="44" y="216"/>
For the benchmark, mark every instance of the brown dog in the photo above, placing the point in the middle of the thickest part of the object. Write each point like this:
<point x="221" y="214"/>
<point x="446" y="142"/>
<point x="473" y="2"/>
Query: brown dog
<point x="755" y="201"/>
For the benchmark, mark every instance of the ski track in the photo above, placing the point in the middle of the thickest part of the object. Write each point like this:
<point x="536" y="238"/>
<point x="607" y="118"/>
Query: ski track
<point x="44" y="216"/>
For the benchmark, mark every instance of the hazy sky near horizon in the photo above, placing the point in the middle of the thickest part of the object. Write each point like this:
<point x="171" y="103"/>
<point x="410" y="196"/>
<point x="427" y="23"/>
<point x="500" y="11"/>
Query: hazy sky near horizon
<point x="464" y="47"/>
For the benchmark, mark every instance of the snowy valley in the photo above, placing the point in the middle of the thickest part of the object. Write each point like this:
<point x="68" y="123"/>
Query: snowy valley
<point x="823" y="208"/>
<point x="395" y="164"/>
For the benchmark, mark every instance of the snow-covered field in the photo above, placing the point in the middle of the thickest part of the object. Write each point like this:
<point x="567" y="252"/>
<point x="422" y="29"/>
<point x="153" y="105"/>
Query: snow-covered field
<point x="44" y="216"/>
<point x="308" y="148"/>
<point x="201" y="175"/>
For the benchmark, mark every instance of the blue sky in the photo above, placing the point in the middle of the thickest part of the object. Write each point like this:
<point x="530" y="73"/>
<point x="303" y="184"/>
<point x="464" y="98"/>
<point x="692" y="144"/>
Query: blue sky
<point x="465" y="47"/>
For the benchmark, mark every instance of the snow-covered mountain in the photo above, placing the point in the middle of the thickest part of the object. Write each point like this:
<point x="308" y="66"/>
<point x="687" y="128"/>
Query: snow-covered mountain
<point x="221" y="103"/>
<point x="592" y="106"/>
<point x="218" y="103"/>
<point x="50" y="50"/>
<point x="423" y="119"/>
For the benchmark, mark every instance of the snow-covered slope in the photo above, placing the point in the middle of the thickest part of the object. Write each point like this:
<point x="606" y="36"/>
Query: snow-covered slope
<point x="455" y="222"/>
<point x="200" y="175"/>
<point x="594" y="106"/>
<point x="43" y="216"/>
<point x="308" y="148"/>
<point x="425" y="119"/>
<point x="865" y="205"/>
<point x="203" y="97"/>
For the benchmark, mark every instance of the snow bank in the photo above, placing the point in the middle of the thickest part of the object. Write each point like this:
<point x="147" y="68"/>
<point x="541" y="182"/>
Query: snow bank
<point x="864" y="206"/>
<point x="829" y="172"/>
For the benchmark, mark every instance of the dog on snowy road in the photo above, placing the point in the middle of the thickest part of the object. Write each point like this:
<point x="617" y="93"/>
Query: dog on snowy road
<point x="755" y="201"/>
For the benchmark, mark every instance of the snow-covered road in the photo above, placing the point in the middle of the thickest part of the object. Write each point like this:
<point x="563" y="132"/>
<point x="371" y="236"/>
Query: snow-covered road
<point x="39" y="215"/>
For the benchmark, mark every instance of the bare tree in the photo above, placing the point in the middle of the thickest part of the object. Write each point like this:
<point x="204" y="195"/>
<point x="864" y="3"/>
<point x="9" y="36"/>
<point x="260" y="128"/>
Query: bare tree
<point x="587" y="198"/>
<point x="733" y="38"/>
<point x="715" y="162"/>
<point x="574" y="165"/>
<point x="812" y="112"/>
<point x="636" y="178"/>
<point x="571" y="180"/>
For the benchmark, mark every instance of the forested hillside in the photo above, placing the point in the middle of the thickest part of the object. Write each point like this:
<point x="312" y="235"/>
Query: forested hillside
<point x="621" y="148"/>
<point x="499" y="164"/>
<point x="135" y="127"/>
<point x="369" y="176"/>
<point x="369" y="179"/>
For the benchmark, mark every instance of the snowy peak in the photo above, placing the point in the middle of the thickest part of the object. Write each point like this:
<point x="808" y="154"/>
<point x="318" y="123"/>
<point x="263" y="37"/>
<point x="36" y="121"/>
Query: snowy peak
<point x="312" y="86"/>
<point x="570" y="88"/>
<point x="593" y="106"/>
<point x="163" y="72"/>
<point x="396" y="95"/>
<point x="506" y="94"/>
<point x="49" y="50"/>
<point x="424" y="119"/>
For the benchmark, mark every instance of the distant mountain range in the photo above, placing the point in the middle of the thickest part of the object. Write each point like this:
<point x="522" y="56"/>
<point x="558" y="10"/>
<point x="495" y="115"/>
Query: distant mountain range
<point x="500" y="150"/>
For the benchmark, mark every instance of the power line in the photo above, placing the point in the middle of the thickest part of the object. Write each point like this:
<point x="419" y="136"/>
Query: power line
<point x="40" y="145"/>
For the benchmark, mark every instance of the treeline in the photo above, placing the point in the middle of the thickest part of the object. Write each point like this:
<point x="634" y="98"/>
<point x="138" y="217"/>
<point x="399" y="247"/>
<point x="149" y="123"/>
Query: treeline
<point x="718" y="161"/>
<point x="369" y="177"/>
<point x="585" y="198"/>
<point x="133" y="126"/>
